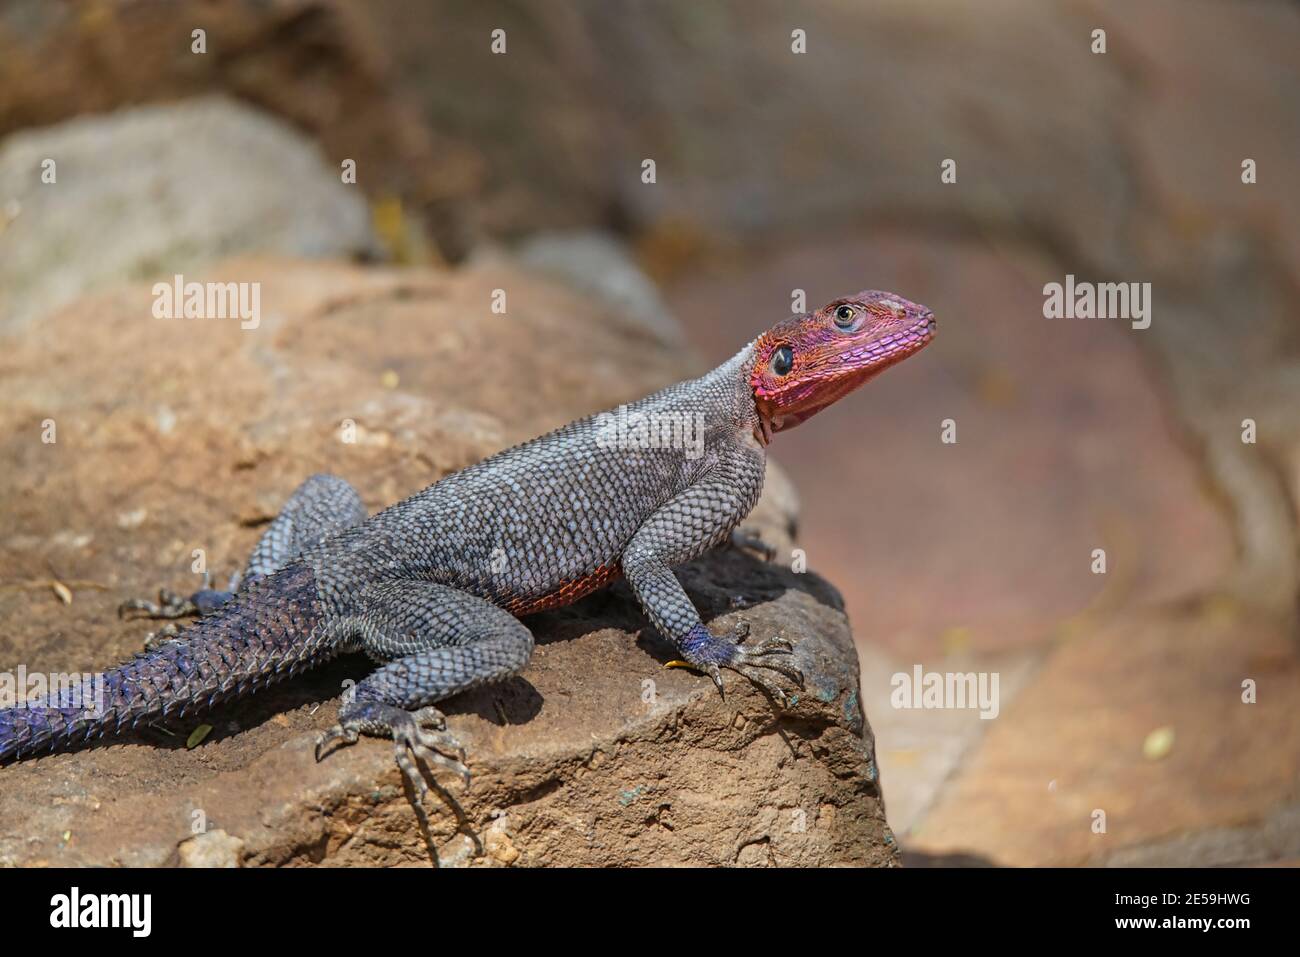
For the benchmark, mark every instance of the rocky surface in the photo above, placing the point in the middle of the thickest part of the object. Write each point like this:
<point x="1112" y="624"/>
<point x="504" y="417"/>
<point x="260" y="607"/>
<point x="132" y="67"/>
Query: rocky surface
<point x="175" y="435"/>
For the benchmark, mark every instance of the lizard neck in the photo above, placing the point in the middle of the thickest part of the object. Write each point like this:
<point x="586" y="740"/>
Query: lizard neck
<point x="737" y="372"/>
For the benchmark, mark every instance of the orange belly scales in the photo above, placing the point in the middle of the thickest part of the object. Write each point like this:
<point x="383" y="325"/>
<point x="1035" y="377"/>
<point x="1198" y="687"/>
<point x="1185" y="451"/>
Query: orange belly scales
<point x="568" y="592"/>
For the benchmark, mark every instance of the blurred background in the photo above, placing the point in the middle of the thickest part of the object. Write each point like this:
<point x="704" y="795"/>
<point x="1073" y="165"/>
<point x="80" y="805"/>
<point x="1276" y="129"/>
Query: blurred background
<point x="820" y="171"/>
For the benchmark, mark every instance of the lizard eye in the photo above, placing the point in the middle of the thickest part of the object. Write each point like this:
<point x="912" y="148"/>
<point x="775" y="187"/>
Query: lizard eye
<point x="782" y="360"/>
<point x="844" y="316"/>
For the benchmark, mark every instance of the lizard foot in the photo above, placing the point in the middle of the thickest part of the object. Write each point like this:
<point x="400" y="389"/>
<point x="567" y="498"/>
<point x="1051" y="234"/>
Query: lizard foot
<point x="168" y="606"/>
<point x="752" y="542"/>
<point x="710" y="654"/>
<point x="420" y="739"/>
<point x="171" y="606"/>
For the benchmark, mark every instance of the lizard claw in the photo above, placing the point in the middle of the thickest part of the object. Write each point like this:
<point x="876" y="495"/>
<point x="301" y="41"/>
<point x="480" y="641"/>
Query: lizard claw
<point x="752" y="542"/>
<point x="711" y="669"/>
<point x="715" y="673"/>
<point x="421" y="733"/>
<point x="171" y="606"/>
<point x="764" y="682"/>
<point x="431" y="747"/>
<point x="773" y="654"/>
<point x="156" y="639"/>
<point x="420" y="740"/>
<point x="711" y="654"/>
<point x="336" y="733"/>
<point x="765" y="658"/>
<point x="431" y="717"/>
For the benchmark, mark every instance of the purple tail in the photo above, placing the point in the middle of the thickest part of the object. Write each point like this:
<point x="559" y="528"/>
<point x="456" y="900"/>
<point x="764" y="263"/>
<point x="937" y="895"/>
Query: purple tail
<point x="268" y="632"/>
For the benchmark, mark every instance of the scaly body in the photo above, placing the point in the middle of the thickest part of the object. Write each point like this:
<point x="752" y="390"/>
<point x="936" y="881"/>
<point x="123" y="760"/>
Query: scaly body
<point x="432" y="587"/>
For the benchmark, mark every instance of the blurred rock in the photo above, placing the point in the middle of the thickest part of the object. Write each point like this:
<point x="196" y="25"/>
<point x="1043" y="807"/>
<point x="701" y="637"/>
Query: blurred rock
<point x="1072" y="745"/>
<point x="1192" y="208"/>
<point x="751" y="139"/>
<point x="1275" y="840"/>
<point x="1223" y="255"/>
<point x="151" y="192"/>
<point x="197" y="430"/>
<point x="313" y="63"/>
<point x="921" y="751"/>
<point x="597" y="264"/>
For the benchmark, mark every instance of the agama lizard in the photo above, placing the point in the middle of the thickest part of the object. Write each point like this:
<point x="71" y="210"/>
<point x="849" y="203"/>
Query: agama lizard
<point x="433" y="587"/>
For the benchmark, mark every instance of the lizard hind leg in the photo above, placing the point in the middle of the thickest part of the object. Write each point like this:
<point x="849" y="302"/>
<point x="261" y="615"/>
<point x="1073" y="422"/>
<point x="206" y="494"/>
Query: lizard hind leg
<point x="321" y="506"/>
<point x="437" y="641"/>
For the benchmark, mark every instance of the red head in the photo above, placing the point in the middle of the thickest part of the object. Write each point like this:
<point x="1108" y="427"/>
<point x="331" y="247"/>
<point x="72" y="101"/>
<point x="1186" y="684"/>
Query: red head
<point x="804" y="363"/>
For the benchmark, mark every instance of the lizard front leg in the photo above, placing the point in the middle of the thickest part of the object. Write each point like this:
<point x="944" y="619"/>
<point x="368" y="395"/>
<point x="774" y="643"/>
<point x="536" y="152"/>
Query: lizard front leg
<point x="694" y="521"/>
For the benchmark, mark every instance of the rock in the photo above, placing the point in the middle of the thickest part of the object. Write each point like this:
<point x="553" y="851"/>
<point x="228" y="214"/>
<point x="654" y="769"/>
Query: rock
<point x="312" y="63"/>
<point x="161" y="190"/>
<point x="753" y="139"/>
<point x="597" y="264"/>
<point x="1194" y="206"/>
<point x="1031" y="798"/>
<point x="211" y="849"/>
<point x="1214" y="246"/>
<point x="597" y="754"/>
<point x="1272" y="841"/>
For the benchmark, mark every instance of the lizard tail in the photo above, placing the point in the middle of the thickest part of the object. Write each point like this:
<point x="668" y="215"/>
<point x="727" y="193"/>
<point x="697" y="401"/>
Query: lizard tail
<point x="268" y="632"/>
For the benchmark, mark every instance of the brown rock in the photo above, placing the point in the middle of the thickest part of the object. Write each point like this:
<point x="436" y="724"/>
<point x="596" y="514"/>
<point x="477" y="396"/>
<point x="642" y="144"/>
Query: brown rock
<point x="179" y="434"/>
<point x="1072" y="744"/>
<point x="211" y="849"/>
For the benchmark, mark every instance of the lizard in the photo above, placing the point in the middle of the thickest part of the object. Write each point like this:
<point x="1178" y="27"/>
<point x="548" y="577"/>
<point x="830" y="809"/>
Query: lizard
<point x="433" y="588"/>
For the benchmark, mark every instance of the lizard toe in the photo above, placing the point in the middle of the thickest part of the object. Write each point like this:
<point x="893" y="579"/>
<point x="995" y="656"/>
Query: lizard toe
<point x="415" y="749"/>
<point x="169" y="606"/>
<point x="773" y="645"/>
<point x="710" y="653"/>
<point x="773" y="661"/>
<point x="337" y="733"/>
<point x="764" y="683"/>
<point x="430" y="717"/>
<point x="440" y="748"/>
